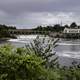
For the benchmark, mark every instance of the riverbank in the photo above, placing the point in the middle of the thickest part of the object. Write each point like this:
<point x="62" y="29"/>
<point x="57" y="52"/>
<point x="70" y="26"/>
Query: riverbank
<point x="7" y="38"/>
<point x="4" y="39"/>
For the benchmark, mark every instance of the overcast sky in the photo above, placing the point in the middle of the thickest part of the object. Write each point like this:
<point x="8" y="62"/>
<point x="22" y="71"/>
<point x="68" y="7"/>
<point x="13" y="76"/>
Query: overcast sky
<point x="31" y="13"/>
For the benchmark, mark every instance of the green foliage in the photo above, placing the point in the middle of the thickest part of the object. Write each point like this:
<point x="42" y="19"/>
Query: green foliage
<point x="73" y="25"/>
<point x="15" y="65"/>
<point x="57" y="27"/>
<point x="44" y="48"/>
<point x="21" y="64"/>
<point x="4" y="31"/>
<point x="69" y="74"/>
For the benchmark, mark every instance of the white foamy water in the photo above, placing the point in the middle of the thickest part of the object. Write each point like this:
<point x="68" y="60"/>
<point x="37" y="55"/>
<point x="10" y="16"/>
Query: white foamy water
<point x="26" y="36"/>
<point x="67" y="44"/>
<point x="18" y="41"/>
<point x="23" y="38"/>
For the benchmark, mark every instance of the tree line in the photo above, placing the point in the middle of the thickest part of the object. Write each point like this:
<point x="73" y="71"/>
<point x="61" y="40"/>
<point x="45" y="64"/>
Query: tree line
<point x="4" y="30"/>
<point x="57" y="27"/>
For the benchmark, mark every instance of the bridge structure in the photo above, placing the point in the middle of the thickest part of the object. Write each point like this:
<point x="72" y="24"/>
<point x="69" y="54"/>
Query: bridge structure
<point x="26" y="31"/>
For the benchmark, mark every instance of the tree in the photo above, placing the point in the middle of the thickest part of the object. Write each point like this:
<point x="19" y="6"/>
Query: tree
<point x="66" y="26"/>
<point x="57" y="27"/>
<point x="73" y="25"/>
<point x="39" y="28"/>
<point x="4" y="31"/>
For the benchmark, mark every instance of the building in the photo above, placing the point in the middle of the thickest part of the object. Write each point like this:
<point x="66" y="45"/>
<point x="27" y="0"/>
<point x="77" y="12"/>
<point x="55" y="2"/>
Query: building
<point x="72" y="32"/>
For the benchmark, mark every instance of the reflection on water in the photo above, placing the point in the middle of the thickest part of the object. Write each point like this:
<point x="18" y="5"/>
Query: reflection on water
<point x="67" y="50"/>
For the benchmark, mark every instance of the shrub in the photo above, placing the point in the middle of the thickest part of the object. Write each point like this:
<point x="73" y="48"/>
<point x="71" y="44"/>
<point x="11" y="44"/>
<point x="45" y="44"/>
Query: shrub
<point x="44" y="48"/>
<point x="20" y="64"/>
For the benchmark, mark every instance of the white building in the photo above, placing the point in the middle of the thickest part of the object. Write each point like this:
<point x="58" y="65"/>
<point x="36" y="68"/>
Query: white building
<point x="71" y="30"/>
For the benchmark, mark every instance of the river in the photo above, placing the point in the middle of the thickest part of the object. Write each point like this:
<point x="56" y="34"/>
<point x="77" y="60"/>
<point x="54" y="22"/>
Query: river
<point x="67" y="50"/>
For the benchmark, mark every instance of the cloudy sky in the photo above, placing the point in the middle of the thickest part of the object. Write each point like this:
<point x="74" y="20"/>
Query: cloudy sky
<point x="31" y="13"/>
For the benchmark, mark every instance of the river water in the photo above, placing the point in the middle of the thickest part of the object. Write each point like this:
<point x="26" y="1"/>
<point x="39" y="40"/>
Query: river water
<point x="67" y="50"/>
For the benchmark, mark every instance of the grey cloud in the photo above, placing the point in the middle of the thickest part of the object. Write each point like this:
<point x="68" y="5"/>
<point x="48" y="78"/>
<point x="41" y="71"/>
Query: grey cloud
<point x="20" y="6"/>
<point x="36" y="12"/>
